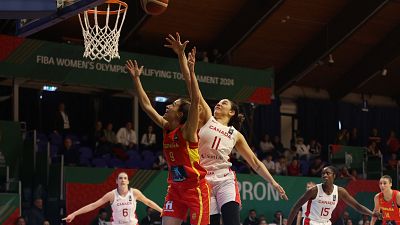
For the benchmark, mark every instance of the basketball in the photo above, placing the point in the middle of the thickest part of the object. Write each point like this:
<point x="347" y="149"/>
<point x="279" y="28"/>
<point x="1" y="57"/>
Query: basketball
<point x="154" y="7"/>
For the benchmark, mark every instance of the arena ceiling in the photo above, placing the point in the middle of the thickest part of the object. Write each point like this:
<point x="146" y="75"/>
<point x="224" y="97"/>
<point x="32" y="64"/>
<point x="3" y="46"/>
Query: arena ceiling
<point x="341" y="46"/>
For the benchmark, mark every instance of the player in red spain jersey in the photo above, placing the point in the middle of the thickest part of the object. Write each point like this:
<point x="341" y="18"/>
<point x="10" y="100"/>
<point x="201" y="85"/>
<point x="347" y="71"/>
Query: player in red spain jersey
<point x="187" y="187"/>
<point x="387" y="202"/>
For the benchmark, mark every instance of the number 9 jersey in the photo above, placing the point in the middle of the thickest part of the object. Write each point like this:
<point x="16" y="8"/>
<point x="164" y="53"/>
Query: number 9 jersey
<point x="123" y="208"/>
<point x="319" y="210"/>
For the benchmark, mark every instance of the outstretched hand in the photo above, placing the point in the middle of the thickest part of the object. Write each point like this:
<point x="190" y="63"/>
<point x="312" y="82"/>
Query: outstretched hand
<point x="133" y="68"/>
<point x="69" y="218"/>
<point x="175" y="43"/>
<point x="282" y="193"/>
<point x="192" y="60"/>
<point x="377" y="214"/>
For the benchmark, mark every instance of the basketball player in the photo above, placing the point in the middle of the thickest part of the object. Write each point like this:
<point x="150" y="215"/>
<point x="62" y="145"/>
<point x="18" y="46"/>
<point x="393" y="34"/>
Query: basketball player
<point x="188" y="188"/>
<point x="218" y="136"/>
<point x="301" y="215"/>
<point x="322" y="200"/>
<point x="123" y="203"/>
<point x="387" y="202"/>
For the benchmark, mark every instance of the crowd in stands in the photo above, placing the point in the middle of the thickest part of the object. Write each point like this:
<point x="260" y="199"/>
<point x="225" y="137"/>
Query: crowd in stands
<point x="107" y="147"/>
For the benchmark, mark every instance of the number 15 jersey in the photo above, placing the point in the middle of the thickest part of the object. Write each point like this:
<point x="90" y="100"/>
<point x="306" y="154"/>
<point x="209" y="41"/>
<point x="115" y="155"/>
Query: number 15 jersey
<point x="215" y="144"/>
<point x="320" y="209"/>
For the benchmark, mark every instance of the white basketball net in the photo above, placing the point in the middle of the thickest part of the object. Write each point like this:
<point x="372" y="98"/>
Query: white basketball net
<point x="101" y="42"/>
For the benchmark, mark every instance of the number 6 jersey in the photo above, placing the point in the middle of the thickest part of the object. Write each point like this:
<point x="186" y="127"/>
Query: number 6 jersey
<point x="215" y="144"/>
<point x="320" y="209"/>
<point x="123" y="209"/>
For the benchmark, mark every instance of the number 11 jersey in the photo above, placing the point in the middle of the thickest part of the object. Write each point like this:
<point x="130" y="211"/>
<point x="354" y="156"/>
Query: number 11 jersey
<point x="216" y="144"/>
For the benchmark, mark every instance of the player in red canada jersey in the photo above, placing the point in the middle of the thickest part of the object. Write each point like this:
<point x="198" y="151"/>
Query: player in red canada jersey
<point x="387" y="201"/>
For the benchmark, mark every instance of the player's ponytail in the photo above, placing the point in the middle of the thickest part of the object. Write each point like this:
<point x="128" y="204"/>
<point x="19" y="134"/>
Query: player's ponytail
<point x="237" y="119"/>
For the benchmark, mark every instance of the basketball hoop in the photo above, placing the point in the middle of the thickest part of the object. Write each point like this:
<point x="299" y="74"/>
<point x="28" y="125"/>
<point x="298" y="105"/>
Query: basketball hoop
<point x="102" y="42"/>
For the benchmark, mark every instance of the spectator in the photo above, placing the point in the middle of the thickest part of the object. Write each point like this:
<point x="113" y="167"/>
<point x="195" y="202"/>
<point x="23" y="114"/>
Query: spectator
<point x="294" y="168"/>
<point x="266" y="146"/>
<point x="61" y="123"/>
<point x="160" y="163"/>
<point x="36" y="215"/>
<point x="278" y="146"/>
<point x="278" y="217"/>
<point x="281" y="166"/>
<point x="302" y="150"/>
<point x="20" y="221"/>
<point x="316" y="167"/>
<point x="152" y="217"/>
<point x="216" y="56"/>
<point x="344" y="174"/>
<point x="2" y="160"/>
<point x="354" y="138"/>
<point x="262" y="222"/>
<point x="126" y="136"/>
<point x="46" y="222"/>
<point x="373" y="149"/>
<point x="290" y="153"/>
<point x="98" y="136"/>
<point x="204" y="56"/>
<point x="252" y="218"/>
<point x="343" y="219"/>
<point x="269" y="164"/>
<point x="149" y="139"/>
<point x="374" y="137"/>
<point x="342" y="137"/>
<point x="393" y="143"/>
<point x="315" y="149"/>
<point x="355" y="174"/>
<point x="147" y="219"/>
<point x="101" y="218"/>
<point x="70" y="153"/>
<point x="110" y="134"/>
<point x="363" y="219"/>
<point x="392" y="162"/>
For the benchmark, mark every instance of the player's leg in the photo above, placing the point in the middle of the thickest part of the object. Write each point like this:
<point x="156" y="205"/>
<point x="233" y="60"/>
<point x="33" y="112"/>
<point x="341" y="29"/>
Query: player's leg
<point x="231" y="213"/>
<point x="228" y="198"/>
<point x="198" y="202"/>
<point x="174" y="210"/>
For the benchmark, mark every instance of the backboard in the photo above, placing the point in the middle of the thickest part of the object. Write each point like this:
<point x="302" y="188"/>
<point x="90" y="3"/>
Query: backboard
<point x="63" y="9"/>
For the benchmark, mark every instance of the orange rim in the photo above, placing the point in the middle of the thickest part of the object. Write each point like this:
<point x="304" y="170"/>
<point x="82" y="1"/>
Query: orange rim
<point x="112" y="12"/>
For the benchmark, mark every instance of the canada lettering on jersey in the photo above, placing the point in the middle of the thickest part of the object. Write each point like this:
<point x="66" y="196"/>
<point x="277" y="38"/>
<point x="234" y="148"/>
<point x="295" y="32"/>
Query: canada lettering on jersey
<point x="124" y="203"/>
<point x="326" y="202"/>
<point x="211" y="156"/>
<point x="226" y="134"/>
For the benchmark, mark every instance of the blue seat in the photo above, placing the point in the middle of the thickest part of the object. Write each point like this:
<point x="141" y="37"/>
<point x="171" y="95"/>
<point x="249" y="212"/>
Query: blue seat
<point x="86" y="152"/>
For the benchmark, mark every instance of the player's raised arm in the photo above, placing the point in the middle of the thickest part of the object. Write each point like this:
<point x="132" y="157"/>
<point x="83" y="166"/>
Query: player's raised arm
<point x="92" y="206"/>
<point x="190" y="128"/>
<point x="246" y="152"/>
<point x="144" y="101"/>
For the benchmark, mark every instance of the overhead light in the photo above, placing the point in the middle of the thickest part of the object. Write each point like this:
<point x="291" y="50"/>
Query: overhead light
<point x="384" y="72"/>
<point x="49" y="88"/>
<point x="330" y="60"/>
<point x="160" y="99"/>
